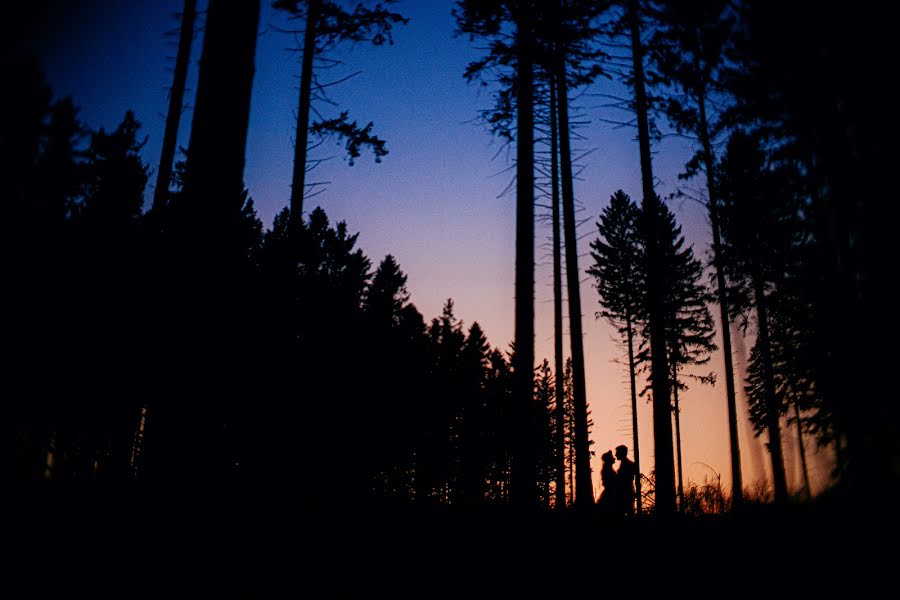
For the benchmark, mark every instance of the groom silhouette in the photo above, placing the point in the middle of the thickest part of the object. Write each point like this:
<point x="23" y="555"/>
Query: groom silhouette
<point x="625" y="479"/>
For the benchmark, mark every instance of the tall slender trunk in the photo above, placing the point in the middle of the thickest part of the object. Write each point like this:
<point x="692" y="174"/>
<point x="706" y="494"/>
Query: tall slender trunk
<point x="763" y="339"/>
<point x="662" y="413"/>
<point x="822" y="315"/>
<point x="557" y="306"/>
<point x="524" y="490"/>
<point x="193" y="434"/>
<point x="737" y="486"/>
<point x="634" y="420"/>
<point x="806" y="486"/>
<point x="585" y="494"/>
<point x="176" y="101"/>
<point x="298" y="181"/>
<point x="571" y="459"/>
<point x="677" y="412"/>
<point x="222" y="108"/>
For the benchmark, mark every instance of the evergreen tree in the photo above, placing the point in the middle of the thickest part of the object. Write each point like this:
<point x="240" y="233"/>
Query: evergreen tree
<point x="689" y="325"/>
<point x="474" y="360"/>
<point x="547" y="463"/>
<point x="618" y="271"/>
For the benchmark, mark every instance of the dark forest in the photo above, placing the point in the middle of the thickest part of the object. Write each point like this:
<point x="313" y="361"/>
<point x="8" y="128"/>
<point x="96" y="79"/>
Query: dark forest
<point x="159" y="437"/>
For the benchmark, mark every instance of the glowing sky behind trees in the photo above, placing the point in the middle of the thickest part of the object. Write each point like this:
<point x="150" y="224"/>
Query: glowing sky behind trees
<point x="434" y="202"/>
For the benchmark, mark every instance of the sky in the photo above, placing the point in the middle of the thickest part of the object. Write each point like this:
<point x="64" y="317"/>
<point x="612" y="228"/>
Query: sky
<point x="436" y="200"/>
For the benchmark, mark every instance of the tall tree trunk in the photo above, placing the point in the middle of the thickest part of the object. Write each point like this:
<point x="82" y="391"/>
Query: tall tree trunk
<point x="677" y="412"/>
<point x="524" y="490"/>
<point x="557" y="306"/>
<point x="570" y="457"/>
<point x="176" y="102"/>
<point x="298" y="182"/>
<point x="662" y="413"/>
<point x="191" y="427"/>
<point x="737" y="485"/>
<point x="803" y="466"/>
<point x="584" y="495"/>
<point x="222" y="109"/>
<point x="763" y="339"/>
<point x="634" y="420"/>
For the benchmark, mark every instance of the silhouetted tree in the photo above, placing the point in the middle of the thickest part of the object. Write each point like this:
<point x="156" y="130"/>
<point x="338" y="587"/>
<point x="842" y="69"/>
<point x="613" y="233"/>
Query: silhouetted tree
<point x="473" y="360"/>
<point x="688" y="51"/>
<point x="569" y="428"/>
<point x="754" y="226"/>
<point x="618" y="272"/>
<point x="571" y="59"/>
<point x="547" y="461"/>
<point x="836" y="134"/>
<point x="497" y="426"/>
<point x="632" y="22"/>
<point x="209" y="233"/>
<point x="327" y="25"/>
<point x="176" y="103"/>
<point x="689" y="325"/>
<point x="215" y="164"/>
<point x="558" y="357"/>
<point x="394" y="370"/>
<point x="489" y="19"/>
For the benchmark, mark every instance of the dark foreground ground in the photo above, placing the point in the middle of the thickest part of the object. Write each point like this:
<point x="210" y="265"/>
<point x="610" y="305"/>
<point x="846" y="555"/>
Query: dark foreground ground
<point x="89" y="543"/>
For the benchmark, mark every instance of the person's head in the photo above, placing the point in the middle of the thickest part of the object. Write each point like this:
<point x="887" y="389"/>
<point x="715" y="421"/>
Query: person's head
<point x="607" y="458"/>
<point x="622" y="452"/>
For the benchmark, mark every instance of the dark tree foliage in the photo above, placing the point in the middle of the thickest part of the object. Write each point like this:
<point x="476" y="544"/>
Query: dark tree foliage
<point x="689" y="323"/>
<point x="805" y="77"/>
<point x="620" y="271"/>
<point x="567" y="34"/>
<point x="548" y="463"/>
<point x="688" y="51"/>
<point x="759" y="225"/>
<point x="190" y="352"/>
<point x="689" y="327"/>
<point x="619" y="276"/>
<point x="618" y="268"/>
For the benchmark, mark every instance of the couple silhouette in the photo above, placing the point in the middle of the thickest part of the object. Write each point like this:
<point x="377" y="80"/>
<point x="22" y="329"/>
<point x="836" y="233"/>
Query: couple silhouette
<point x="617" y="498"/>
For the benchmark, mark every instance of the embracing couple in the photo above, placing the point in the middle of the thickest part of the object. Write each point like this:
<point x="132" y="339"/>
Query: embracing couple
<point x="618" y="486"/>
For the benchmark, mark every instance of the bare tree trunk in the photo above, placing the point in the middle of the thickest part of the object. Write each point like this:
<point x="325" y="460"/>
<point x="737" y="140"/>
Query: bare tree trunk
<point x="634" y="419"/>
<point x="662" y="413"/>
<point x="677" y="413"/>
<point x="775" y="450"/>
<point x="806" y="486"/>
<point x="585" y="494"/>
<point x="222" y="109"/>
<point x="524" y="490"/>
<point x="571" y="459"/>
<point x="737" y="485"/>
<point x="557" y="306"/>
<point x="298" y="182"/>
<point x="176" y="102"/>
<point x="192" y="439"/>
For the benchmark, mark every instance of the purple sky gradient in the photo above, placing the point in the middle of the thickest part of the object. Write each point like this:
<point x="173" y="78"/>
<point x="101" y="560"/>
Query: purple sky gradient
<point x="434" y="202"/>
